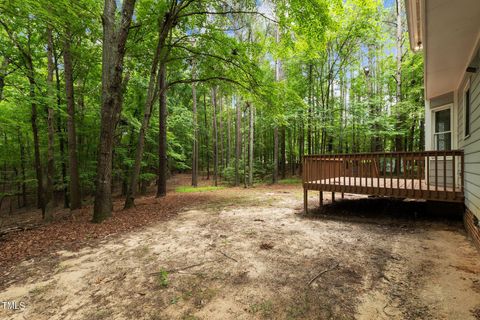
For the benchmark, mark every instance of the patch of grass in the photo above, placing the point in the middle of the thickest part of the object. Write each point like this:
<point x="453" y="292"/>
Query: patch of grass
<point x="265" y="308"/>
<point x="175" y="300"/>
<point x="188" y="189"/>
<point x="162" y="278"/>
<point x="290" y="181"/>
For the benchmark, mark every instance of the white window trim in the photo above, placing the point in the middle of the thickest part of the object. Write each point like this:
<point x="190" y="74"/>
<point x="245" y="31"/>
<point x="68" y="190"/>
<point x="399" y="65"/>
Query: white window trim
<point x="434" y="124"/>
<point x="465" y="89"/>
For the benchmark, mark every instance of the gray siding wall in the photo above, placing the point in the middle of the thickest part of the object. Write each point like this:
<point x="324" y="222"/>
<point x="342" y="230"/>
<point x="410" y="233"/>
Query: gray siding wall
<point x="471" y="144"/>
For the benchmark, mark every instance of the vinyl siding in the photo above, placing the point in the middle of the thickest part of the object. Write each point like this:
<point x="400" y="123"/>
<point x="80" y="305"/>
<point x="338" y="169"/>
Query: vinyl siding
<point x="471" y="144"/>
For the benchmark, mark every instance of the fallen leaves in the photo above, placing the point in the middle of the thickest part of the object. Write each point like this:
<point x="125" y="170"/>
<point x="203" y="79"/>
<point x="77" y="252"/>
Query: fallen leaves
<point x="68" y="233"/>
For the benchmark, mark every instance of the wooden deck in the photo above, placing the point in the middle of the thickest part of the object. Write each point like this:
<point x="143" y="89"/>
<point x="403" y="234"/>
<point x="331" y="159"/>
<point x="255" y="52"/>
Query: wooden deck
<point x="432" y="175"/>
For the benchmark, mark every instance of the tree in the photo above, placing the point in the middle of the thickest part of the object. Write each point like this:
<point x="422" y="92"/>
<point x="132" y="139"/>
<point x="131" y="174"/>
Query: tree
<point x="74" y="182"/>
<point x="115" y="34"/>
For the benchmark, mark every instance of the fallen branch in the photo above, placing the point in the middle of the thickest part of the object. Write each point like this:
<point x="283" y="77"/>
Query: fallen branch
<point x="17" y="229"/>
<point x="187" y="267"/>
<point x="227" y="256"/>
<point x="321" y="273"/>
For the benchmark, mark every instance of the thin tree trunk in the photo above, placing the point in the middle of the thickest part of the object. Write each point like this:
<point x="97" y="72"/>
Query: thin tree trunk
<point x="49" y="200"/>
<point x="238" y="141"/>
<point x="275" y="130"/>
<point x="3" y="72"/>
<point x="275" y="155"/>
<point x="114" y="47"/>
<point x="250" y="151"/>
<point x="283" y="162"/>
<point x="36" y="142"/>
<point x="398" y="76"/>
<point x="220" y="136"/>
<point x="195" y="132"/>
<point x="74" y="181"/>
<point x="152" y="93"/>
<point x="207" y="138"/>
<point x="245" y="146"/>
<point x="60" y="133"/>
<point x="215" y="136"/>
<point x="162" y="133"/>
<point x="310" y="107"/>
<point x="229" y="140"/>
<point x="22" y="169"/>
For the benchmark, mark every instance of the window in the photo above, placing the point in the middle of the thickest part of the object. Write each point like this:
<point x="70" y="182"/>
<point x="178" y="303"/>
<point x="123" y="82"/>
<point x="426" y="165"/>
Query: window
<point x="443" y="133"/>
<point x="467" y="112"/>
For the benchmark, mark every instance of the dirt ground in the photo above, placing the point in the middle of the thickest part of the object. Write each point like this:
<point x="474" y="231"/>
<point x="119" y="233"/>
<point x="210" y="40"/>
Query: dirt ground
<point x="252" y="254"/>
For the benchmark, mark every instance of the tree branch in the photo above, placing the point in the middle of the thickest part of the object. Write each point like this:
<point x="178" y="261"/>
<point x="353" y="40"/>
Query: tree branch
<point x="226" y="13"/>
<point x="186" y="81"/>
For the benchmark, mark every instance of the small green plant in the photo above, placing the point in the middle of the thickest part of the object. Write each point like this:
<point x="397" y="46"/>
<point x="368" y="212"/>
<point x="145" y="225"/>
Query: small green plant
<point x="163" y="278"/>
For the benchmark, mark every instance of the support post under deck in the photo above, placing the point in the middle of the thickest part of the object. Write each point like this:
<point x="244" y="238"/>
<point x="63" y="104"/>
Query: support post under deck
<point x="305" y="200"/>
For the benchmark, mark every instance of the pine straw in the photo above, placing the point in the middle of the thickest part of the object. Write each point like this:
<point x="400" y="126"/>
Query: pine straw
<point x="72" y="232"/>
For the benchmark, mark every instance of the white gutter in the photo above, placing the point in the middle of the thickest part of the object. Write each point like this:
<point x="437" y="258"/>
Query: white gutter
<point x="415" y="19"/>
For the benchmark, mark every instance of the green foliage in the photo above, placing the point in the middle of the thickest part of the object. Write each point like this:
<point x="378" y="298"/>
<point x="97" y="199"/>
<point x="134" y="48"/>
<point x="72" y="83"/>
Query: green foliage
<point x="323" y="100"/>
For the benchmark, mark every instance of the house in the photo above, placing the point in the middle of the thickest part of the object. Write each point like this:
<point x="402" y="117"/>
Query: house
<point x="448" y="33"/>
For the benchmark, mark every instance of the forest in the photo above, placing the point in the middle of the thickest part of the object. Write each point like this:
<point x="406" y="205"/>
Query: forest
<point x="107" y="98"/>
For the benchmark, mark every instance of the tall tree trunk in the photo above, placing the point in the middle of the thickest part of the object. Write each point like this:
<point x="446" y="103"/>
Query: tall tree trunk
<point x="251" y="142"/>
<point x="162" y="133"/>
<point x="283" y="162"/>
<point x="114" y="47"/>
<point x="3" y="73"/>
<point x="36" y="140"/>
<point x="195" y="132"/>
<point x="275" y="155"/>
<point x="61" y="137"/>
<point x="275" y="130"/>
<point x="229" y="140"/>
<point x="310" y="111"/>
<point x="215" y="136"/>
<point x="152" y="93"/>
<point x="238" y="141"/>
<point x="398" y="76"/>
<point x="22" y="168"/>
<point x="49" y="199"/>
<point x="301" y="143"/>
<point x="74" y="181"/>
<point x="207" y="138"/>
<point x="220" y="136"/>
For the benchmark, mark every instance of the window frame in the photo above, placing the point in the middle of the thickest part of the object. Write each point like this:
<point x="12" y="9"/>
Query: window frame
<point x="434" y="122"/>
<point x="467" y="115"/>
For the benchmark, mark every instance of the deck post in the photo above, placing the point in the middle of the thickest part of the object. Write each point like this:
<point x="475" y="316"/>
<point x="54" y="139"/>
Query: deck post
<point x="321" y="198"/>
<point x="305" y="200"/>
<point x="343" y="195"/>
<point x="333" y="197"/>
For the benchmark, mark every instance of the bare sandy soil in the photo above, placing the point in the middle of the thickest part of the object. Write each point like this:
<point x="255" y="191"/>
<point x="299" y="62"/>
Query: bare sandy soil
<point x="251" y="254"/>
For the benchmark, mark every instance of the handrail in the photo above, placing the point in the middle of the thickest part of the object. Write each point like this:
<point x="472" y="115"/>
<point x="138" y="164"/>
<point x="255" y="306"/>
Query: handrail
<point x="431" y="153"/>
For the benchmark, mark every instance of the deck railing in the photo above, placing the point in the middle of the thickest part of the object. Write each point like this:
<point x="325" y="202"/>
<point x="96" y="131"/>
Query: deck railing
<point x="431" y="175"/>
